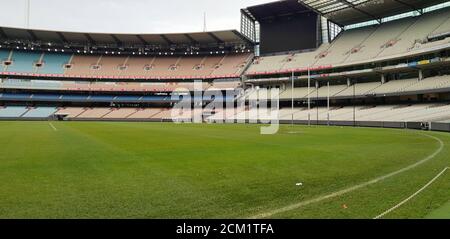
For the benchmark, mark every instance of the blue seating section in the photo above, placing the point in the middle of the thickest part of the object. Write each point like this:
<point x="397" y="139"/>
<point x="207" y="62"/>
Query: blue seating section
<point x="75" y="98"/>
<point x="101" y="98"/>
<point x="45" y="97"/>
<point x="54" y="63"/>
<point x="127" y="98"/>
<point x="40" y="112"/>
<point x="23" y="62"/>
<point x="11" y="96"/>
<point x="12" y="112"/>
<point x="4" y="55"/>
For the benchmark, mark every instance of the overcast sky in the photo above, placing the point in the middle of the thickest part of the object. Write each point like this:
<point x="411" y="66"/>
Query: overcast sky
<point x="124" y="16"/>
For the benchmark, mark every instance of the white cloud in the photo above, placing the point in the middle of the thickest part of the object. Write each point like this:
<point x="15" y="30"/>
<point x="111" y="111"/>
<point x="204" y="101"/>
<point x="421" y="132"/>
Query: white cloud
<point x="120" y="16"/>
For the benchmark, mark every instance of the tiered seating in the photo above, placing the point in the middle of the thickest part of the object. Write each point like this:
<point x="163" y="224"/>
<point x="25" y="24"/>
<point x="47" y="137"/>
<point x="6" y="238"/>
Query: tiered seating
<point x="269" y="63"/>
<point x="378" y="42"/>
<point x="113" y="86"/>
<point x="444" y="28"/>
<point x="432" y="83"/>
<point x="40" y="112"/>
<point x="122" y="113"/>
<point x="306" y="59"/>
<point x="164" y="114"/>
<point x="31" y="84"/>
<point x="389" y="113"/>
<point x="232" y="64"/>
<point x="12" y="111"/>
<point x="23" y="62"/>
<point x="182" y="67"/>
<point x="333" y="90"/>
<point x="4" y="56"/>
<point x="385" y="34"/>
<point x="144" y="113"/>
<point x="417" y="32"/>
<point x="71" y="112"/>
<point x="53" y="63"/>
<point x="299" y="93"/>
<point x="369" y="88"/>
<point x="359" y="89"/>
<point x="94" y="113"/>
<point x="394" y="86"/>
<point x="343" y="45"/>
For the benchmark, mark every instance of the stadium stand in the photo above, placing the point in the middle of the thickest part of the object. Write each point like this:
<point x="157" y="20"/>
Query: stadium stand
<point x="53" y="63"/>
<point x="210" y="66"/>
<point x="364" y="44"/>
<point x="94" y="113"/>
<point x="386" y="113"/>
<point x="70" y="112"/>
<point x="22" y="62"/>
<point x="393" y="70"/>
<point x="39" y="112"/>
<point x="12" y="111"/>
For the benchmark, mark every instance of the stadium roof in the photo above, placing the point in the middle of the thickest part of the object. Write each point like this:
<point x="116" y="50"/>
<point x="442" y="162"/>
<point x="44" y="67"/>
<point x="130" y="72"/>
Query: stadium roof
<point x="203" y="38"/>
<point x="347" y="12"/>
<point x="275" y="9"/>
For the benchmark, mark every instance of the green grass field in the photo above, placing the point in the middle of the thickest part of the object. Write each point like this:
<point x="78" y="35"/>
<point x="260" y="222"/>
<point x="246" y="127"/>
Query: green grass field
<point x="156" y="170"/>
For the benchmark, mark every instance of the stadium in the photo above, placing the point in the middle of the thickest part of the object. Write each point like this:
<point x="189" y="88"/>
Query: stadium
<point x="356" y="94"/>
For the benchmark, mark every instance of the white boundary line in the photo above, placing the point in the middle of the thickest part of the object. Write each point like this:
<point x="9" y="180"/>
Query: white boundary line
<point x="53" y="127"/>
<point x="412" y="196"/>
<point x="356" y="187"/>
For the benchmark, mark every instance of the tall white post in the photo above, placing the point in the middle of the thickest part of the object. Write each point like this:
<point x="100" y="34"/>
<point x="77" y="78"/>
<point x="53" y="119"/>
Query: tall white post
<point x="292" y="98"/>
<point x="328" y="104"/>
<point x="28" y="15"/>
<point x="309" y="96"/>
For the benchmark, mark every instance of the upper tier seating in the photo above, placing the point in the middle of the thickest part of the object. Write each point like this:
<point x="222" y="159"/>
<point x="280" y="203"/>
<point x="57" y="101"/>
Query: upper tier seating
<point x="416" y="33"/>
<point x="210" y="66"/>
<point x="377" y="42"/>
<point x="53" y="63"/>
<point x="4" y="56"/>
<point x="24" y="62"/>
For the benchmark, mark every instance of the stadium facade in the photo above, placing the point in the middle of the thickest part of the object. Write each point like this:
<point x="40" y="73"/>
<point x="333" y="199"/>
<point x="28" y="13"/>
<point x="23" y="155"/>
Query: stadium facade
<point x="370" y="63"/>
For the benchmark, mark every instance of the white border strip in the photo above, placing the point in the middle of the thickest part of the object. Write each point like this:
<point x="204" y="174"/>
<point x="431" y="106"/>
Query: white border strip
<point x="412" y="196"/>
<point x="356" y="187"/>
